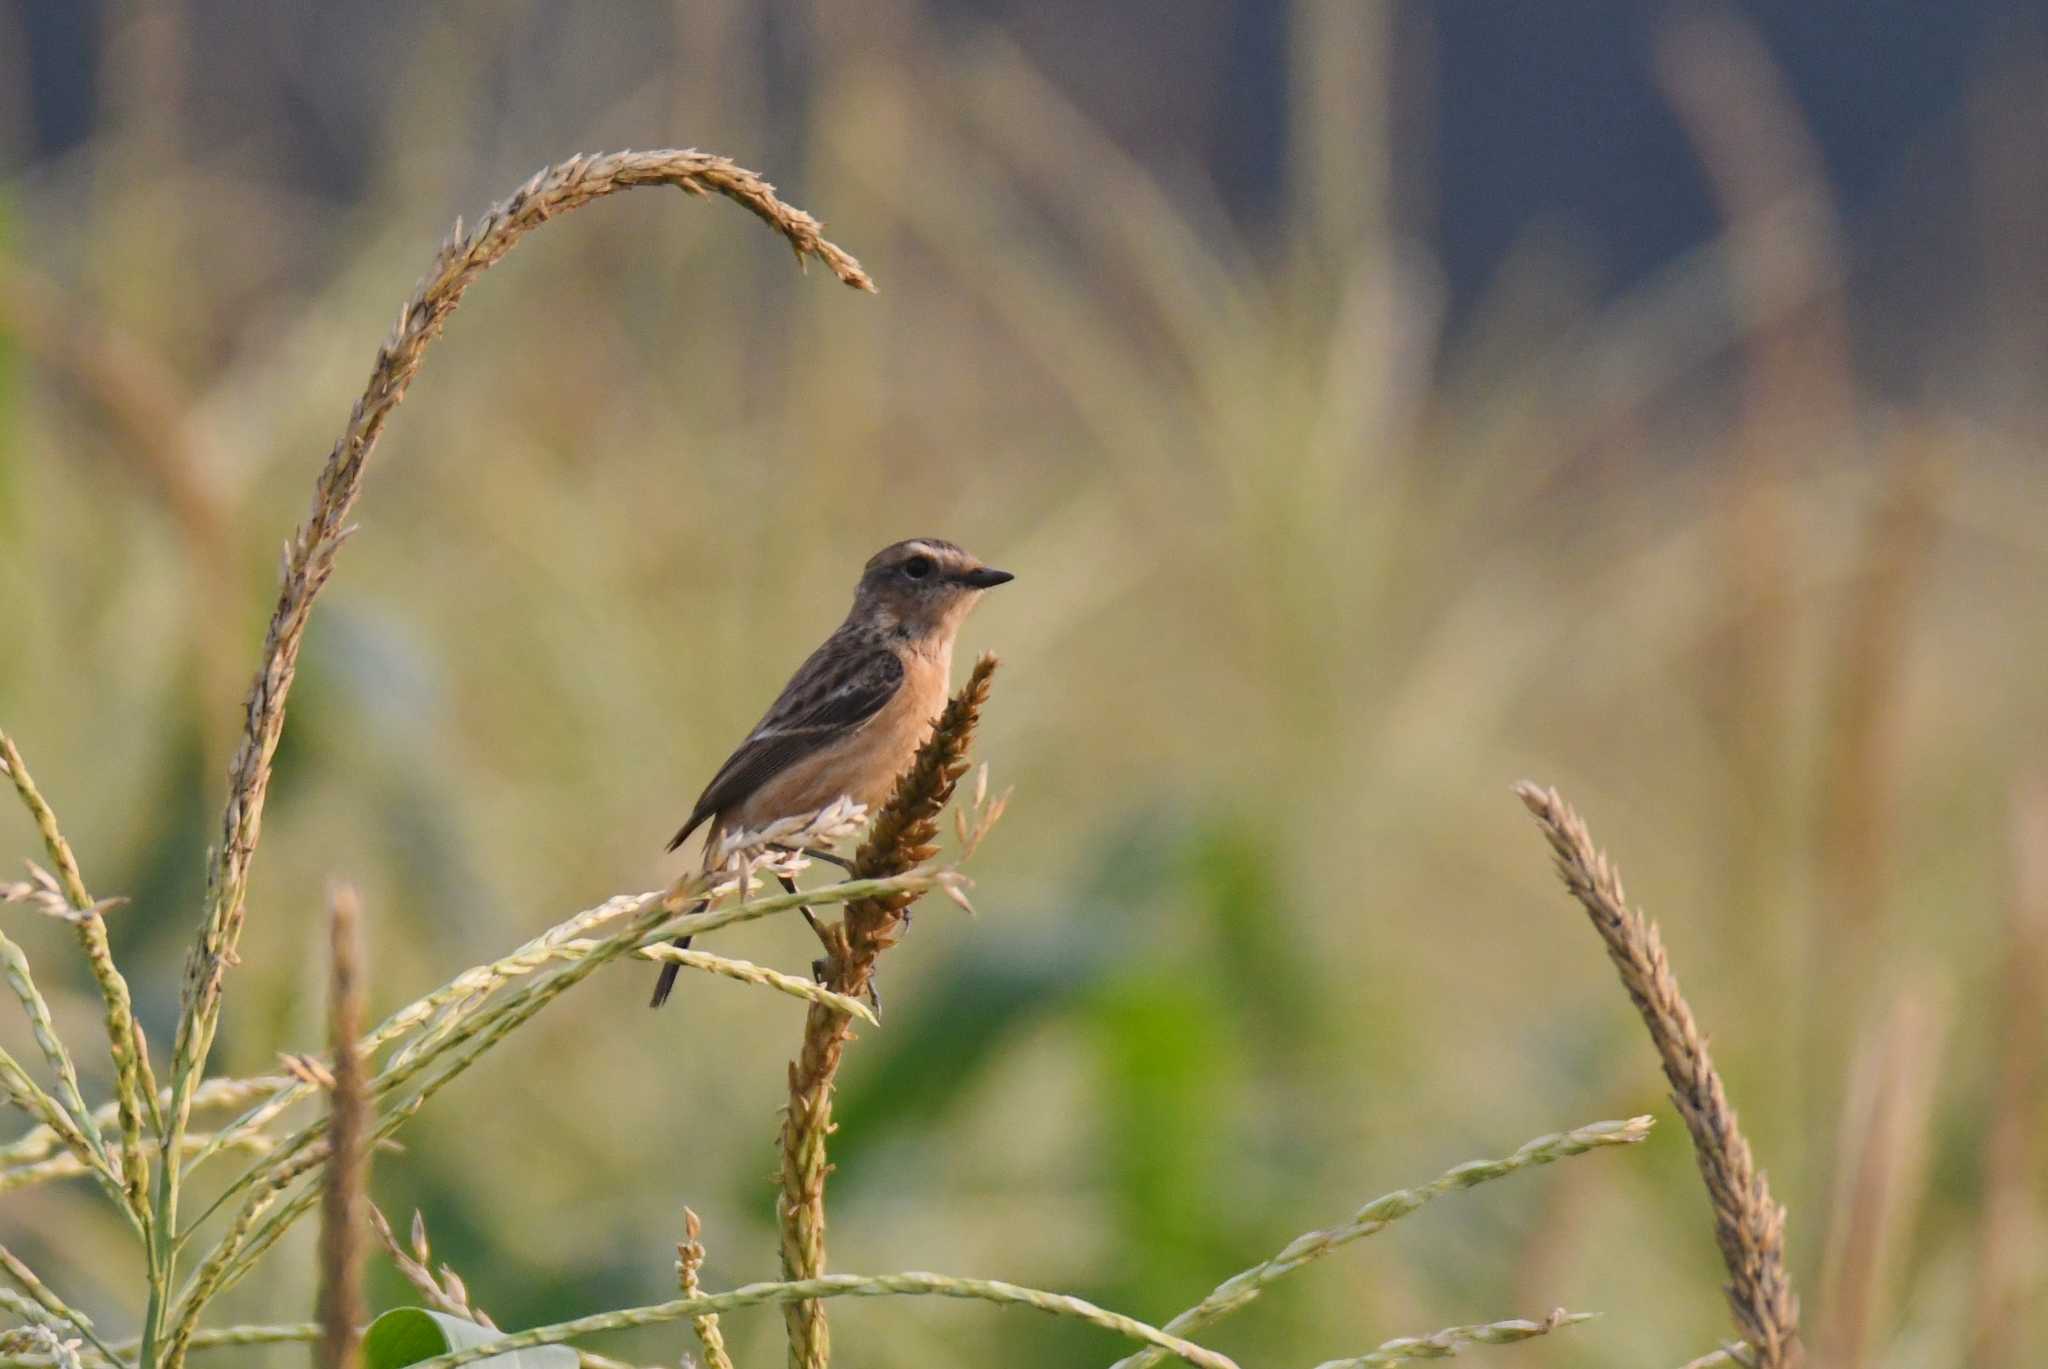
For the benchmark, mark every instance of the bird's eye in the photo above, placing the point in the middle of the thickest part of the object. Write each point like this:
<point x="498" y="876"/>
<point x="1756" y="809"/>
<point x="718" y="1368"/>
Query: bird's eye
<point x="917" y="567"/>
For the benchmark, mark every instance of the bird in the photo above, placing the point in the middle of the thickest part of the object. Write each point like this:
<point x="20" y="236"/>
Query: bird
<point x="850" y="720"/>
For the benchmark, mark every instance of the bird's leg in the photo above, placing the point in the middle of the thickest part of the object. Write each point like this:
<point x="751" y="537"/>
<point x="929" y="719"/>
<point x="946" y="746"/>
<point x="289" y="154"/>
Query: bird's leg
<point x="821" y="967"/>
<point x="809" y="916"/>
<point x="843" y="863"/>
<point x="790" y="885"/>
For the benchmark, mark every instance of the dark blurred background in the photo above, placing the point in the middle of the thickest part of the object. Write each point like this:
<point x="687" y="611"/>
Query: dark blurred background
<point x="1379" y="402"/>
<point x="1507" y="119"/>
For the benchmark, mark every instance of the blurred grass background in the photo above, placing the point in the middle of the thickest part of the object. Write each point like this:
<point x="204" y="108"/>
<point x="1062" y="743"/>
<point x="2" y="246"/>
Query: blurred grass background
<point x="1322" y="542"/>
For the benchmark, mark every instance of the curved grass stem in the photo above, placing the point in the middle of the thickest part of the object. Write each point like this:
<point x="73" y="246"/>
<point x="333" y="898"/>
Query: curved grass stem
<point x="309" y="562"/>
<point x="1376" y="1216"/>
<point x="912" y="1284"/>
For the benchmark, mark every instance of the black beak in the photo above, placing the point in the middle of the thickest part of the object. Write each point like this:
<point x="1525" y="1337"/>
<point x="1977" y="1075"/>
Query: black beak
<point x="985" y="578"/>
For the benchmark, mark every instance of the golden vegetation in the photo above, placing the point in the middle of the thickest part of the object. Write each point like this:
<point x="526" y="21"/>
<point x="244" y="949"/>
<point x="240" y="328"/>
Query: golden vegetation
<point x="1310" y="579"/>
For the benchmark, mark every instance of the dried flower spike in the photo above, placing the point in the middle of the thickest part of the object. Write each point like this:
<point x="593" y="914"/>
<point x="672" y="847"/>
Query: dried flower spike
<point x="1748" y="1223"/>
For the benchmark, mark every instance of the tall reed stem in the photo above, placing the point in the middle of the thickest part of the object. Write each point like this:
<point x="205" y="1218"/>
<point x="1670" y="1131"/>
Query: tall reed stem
<point x="904" y="835"/>
<point x="309" y="561"/>
<point x="343" y="1217"/>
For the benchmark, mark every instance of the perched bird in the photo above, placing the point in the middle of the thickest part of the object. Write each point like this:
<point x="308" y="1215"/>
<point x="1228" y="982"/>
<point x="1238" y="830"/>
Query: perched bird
<point x="852" y="717"/>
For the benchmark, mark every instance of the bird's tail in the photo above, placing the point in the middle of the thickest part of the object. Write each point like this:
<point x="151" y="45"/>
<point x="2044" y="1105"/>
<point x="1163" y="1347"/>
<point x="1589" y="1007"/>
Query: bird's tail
<point x="670" y="970"/>
<point x="668" y="977"/>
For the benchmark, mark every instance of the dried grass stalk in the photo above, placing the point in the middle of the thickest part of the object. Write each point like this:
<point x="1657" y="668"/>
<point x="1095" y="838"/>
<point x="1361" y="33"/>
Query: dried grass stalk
<point x="2005" y="1267"/>
<point x="904" y="835"/>
<point x="1859" y="778"/>
<point x="1880" y="1172"/>
<point x="340" y="1307"/>
<point x="309" y="561"/>
<point x="1748" y="1224"/>
<point x="134" y="387"/>
<point x="309" y="556"/>
<point x="689" y="1259"/>
<point x="153" y="414"/>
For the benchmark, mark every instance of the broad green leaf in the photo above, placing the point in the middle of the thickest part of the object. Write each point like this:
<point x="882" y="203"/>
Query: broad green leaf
<point x="407" y="1335"/>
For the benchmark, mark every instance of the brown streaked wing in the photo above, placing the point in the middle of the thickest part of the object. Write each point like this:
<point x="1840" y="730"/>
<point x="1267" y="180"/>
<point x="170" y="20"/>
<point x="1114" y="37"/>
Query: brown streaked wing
<point x="839" y="688"/>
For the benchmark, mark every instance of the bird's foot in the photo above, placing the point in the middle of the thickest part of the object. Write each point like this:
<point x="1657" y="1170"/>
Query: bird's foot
<point x="821" y="975"/>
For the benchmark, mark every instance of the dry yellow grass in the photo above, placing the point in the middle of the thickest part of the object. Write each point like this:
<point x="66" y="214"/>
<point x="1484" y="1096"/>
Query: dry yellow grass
<point x="1370" y="552"/>
<point x="343" y="1221"/>
<point x="904" y="837"/>
<point x="1748" y="1223"/>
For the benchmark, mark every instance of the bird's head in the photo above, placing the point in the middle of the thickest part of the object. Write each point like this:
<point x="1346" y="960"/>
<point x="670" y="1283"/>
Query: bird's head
<point x="922" y="588"/>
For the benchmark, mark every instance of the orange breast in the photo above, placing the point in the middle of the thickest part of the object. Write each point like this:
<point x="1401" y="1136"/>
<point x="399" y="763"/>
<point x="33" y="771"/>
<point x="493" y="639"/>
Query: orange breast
<point x="863" y="765"/>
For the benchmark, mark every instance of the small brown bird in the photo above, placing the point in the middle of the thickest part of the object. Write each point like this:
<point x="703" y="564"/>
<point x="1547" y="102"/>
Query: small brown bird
<point x="852" y="717"/>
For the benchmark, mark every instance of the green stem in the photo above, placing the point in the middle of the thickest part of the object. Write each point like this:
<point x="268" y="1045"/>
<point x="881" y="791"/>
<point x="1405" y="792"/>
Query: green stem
<point x="163" y="1257"/>
<point x="1447" y="1342"/>
<point x="1240" y="1289"/>
<point x="911" y="1284"/>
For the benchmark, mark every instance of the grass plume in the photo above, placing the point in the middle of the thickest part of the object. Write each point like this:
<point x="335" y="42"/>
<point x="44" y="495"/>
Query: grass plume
<point x="375" y="1081"/>
<point x="134" y="1084"/>
<point x="1748" y="1223"/>
<point x="342" y="1203"/>
<point x="2012" y="1183"/>
<point x="1880" y="1172"/>
<point x="690" y="1259"/>
<point x="67" y="1112"/>
<point x="904" y="836"/>
<point x="310" y="554"/>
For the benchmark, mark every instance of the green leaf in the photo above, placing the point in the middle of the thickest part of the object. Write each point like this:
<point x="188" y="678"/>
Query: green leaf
<point x="407" y="1335"/>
